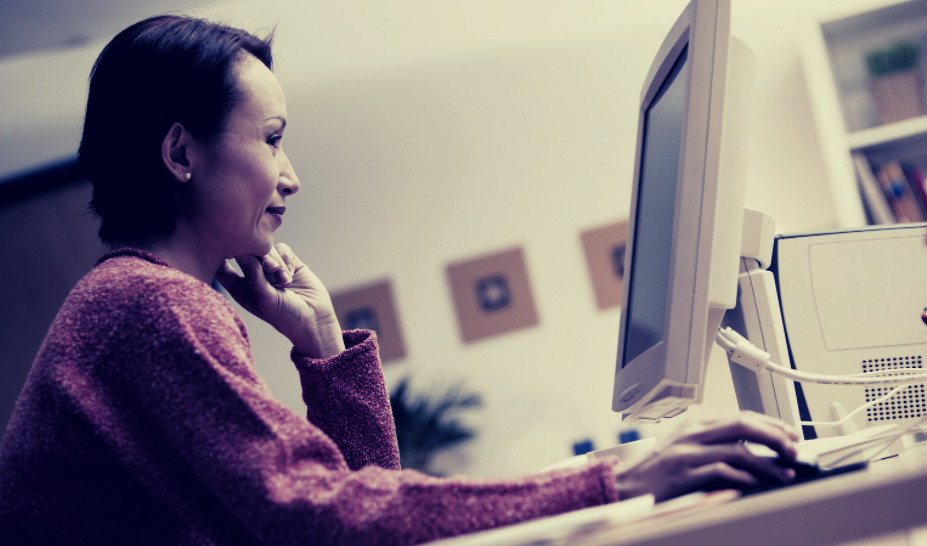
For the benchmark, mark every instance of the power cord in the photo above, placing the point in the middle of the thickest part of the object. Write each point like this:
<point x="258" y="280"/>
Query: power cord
<point x="749" y="356"/>
<point x="746" y="354"/>
<point x="850" y="415"/>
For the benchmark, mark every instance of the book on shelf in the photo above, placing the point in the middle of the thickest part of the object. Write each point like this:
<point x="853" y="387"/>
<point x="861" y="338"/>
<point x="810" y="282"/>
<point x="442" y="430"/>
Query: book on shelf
<point x="874" y="198"/>
<point x="900" y="192"/>
<point x="894" y="191"/>
<point x="915" y="176"/>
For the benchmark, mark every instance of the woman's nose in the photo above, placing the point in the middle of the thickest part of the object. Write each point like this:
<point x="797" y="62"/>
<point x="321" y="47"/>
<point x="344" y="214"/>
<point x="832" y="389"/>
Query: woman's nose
<point x="287" y="182"/>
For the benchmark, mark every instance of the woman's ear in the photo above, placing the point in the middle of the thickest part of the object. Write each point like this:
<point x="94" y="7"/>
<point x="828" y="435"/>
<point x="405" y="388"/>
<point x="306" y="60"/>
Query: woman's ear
<point x="175" y="152"/>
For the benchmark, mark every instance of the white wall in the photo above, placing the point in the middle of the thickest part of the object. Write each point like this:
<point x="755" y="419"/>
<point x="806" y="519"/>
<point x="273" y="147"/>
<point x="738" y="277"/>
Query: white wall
<point x="427" y="132"/>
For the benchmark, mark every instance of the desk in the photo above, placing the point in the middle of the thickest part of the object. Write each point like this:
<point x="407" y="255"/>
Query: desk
<point x="889" y="496"/>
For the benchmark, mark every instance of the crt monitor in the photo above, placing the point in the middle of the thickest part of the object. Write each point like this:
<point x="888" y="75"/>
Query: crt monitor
<point x="686" y="217"/>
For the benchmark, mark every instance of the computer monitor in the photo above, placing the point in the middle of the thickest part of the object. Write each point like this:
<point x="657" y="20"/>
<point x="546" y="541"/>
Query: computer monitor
<point x="686" y="218"/>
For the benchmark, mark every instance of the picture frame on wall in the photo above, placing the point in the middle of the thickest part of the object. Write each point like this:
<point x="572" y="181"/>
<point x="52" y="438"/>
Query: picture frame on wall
<point x="492" y="294"/>
<point x="372" y="307"/>
<point x="605" y="249"/>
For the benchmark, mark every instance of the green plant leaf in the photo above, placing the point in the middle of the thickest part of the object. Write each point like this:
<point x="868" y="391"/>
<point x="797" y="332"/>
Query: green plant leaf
<point x="426" y="424"/>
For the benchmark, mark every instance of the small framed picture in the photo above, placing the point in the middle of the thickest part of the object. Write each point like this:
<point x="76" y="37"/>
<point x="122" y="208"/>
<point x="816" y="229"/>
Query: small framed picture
<point x="492" y="294"/>
<point x="371" y="307"/>
<point x="605" y="251"/>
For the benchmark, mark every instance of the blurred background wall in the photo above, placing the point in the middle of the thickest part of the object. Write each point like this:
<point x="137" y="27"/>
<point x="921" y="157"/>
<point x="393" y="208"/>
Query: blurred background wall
<point x="424" y="133"/>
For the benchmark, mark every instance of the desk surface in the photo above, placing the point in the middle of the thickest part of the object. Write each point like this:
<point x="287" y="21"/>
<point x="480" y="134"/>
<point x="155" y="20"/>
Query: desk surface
<point x="890" y="495"/>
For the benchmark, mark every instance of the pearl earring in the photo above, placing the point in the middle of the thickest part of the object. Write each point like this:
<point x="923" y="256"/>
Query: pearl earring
<point x="187" y="176"/>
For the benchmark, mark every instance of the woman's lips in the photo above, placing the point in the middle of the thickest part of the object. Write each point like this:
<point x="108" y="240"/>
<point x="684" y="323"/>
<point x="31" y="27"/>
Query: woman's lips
<point x="277" y="213"/>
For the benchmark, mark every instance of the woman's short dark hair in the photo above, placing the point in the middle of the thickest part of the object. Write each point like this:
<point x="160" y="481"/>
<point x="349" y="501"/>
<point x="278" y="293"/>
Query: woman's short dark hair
<point x="157" y="72"/>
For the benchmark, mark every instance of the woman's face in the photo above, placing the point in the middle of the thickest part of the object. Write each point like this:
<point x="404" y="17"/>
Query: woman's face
<point x="240" y="182"/>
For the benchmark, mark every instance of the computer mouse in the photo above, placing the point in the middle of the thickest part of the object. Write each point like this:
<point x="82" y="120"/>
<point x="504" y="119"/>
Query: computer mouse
<point x="805" y="461"/>
<point x="803" y="468"/>
<point x="804" y="465"/>
<point x="804" y="472"/>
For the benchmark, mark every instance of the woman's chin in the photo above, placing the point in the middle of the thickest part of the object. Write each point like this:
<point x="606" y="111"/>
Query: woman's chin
<point x="256" y="248"/>
<point x="265" y="248"/>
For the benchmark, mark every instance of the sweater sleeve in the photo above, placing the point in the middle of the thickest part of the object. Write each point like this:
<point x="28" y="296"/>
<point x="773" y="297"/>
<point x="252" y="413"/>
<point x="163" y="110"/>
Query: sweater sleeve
<point x="176" y="398"/>
<point x="347" y="399"/>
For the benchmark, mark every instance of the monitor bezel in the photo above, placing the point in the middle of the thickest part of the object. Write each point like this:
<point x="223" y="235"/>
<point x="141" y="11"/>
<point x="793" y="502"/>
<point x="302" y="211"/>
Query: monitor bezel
<point x="674" y="368"/>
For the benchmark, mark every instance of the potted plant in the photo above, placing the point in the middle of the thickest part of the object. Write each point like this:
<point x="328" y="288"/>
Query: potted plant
<point x="895" y="82"/>
<point x="427" y="424"/>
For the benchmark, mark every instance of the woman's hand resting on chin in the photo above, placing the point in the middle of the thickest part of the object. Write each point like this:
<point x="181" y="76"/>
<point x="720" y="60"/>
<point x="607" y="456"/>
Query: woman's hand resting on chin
<point x="280" y="290"/>
<point x="709" y="455"/>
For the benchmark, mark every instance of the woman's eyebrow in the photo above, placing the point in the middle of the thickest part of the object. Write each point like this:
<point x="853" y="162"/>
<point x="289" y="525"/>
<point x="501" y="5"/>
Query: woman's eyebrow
<point x="277" y="117"/>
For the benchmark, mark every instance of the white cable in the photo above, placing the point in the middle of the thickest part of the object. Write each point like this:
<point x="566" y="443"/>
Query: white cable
<point x="724" y="342"/>
<point x="889" y="440"/>
<point x="888" y="371"/>
<point x="848" y="416"/>
<point x="917" y="426"/>
<point x="748" y="355"/>
<point x="805" y="377"/>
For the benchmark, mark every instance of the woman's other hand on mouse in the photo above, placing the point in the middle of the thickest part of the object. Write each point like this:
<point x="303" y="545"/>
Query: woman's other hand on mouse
<point x="281" y="290"/>
<point x="709" y="455"/>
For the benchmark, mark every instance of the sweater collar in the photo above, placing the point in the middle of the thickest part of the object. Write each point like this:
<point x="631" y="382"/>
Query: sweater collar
<point x="132" y="252"/>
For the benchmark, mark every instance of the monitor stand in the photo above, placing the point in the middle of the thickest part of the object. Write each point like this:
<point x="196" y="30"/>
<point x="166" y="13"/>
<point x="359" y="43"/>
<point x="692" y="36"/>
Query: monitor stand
<point x="757" y="317"/>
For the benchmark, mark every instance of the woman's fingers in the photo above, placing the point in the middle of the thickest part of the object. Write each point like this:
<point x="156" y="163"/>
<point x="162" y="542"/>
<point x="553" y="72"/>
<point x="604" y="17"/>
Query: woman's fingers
<point x="278" y="265"/>
<point x="791" y="431"/>
<point x="738" y="456"/>
<point x="718" y="475"/>
<point x="275" y="269"/>
<point x="289" y="258"/>
<point x="710" y="455"/>
<point x="748" y="426"/>
<point x="255" y="275"/>
<point x="239" y="288"/>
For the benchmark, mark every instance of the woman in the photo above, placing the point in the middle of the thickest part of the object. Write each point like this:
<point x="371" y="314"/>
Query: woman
<point x="143" y="420"/>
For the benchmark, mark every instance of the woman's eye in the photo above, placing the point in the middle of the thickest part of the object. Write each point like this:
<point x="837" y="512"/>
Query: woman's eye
<point x="274" y="140"/>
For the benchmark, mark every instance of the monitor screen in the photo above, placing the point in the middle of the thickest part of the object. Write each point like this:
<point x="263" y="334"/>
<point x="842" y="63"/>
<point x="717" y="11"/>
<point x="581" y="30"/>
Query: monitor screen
<point x="659" y="174"/>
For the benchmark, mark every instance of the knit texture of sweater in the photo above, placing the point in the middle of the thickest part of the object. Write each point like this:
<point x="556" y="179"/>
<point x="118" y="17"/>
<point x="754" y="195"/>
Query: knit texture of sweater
<point x="143" y="421"/>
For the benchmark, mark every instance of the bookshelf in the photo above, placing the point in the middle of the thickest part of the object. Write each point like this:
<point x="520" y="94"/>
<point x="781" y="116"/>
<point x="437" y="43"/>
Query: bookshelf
<point x="882" y="125"/>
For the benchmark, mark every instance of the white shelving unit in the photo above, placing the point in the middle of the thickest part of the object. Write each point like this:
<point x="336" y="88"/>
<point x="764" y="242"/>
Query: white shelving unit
<point x="898" y="131"/>
<point x="845" y="115"/>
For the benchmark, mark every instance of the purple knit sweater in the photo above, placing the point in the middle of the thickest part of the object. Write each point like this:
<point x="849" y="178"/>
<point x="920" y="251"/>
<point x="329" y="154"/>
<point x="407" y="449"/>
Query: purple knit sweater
<point x="143" y="421"/>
